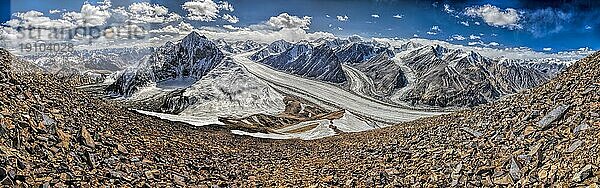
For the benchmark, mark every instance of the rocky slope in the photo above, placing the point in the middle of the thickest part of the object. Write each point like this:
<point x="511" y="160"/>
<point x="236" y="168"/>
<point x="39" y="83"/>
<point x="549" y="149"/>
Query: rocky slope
<point x="545" y="136"/>
<point x="192" y="58"/>
<point x="453" y="77"/>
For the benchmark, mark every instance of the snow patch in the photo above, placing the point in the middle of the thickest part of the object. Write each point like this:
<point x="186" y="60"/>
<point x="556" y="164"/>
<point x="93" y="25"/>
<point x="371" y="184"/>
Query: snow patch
<point x="195" y="121"/>
<point x="321" y="131"/>
<point x="351" y="123"/>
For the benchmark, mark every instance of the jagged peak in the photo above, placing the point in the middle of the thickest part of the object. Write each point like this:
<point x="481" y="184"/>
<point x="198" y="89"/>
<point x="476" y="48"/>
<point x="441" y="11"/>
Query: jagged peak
<point x="278" y="42"/>
<point x="194" y="36"/>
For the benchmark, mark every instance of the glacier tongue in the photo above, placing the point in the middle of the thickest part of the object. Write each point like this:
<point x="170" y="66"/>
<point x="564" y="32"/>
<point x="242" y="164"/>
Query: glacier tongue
<point x="229" y="91"/>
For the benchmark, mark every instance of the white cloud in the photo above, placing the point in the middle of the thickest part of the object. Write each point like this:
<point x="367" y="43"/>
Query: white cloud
<point x="398" y="16"/>
<point x="151" y="13"/>
<point x="340" y="29"/>
<point x="434" y="30"/>
<point x="342" y="18"/>
<point x="477" y="23"/>
<point x="465" y="23"/>
<point x="448" y="9"/>
<point x="201" y="10"/>
<point x="224" y="5"/>
<point x="284" y="20"/>
<point x="89" y="15"/>
<point x="474" y="37"/>
<point x="458" y="37"/>
<point x="327" y="15"/>
<point x="231" y="18"/>
<point x="374" y="15"/>
<point x="35" y="19"/>
<point x="495" y="16"/>
<point x="587" y="27"/>
<point x="181" y="28"/>
<point x="233" y="28"/>
<point x="54" y="11"/>
<point x="474" y="43"/>
<point x="547" y="49"/>
<point x="264" y="36"/>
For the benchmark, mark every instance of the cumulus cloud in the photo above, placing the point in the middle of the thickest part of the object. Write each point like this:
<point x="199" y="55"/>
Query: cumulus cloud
<point x="54" y="11"/>
<point x="202" y="10"/>
<point x="151" y="13"/>
<point x="448" y="9"/>
<point x="342" y="18"/>
<point x="374" y="15"/>
<point x="458" y="37"/>
<point x="181" y="28"/>
<point x="265" y="36"/>
<point x="230" y="18"/>
<point x="284" y="20"/>
<point x="35" y="19"/>
<point x="547" y="49"/>
<point x="495" y="16"/>
<point x="434" y="30"/>
<point x="398" y="16"/>
<point x="465" y="23"/>
<point x="224" y="5"/>
<point x="90" y="15"/>
<point x="474" y="37"/>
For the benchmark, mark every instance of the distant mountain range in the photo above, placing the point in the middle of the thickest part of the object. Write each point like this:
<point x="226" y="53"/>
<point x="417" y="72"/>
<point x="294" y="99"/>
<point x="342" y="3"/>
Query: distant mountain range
<point x="197" y="77"/>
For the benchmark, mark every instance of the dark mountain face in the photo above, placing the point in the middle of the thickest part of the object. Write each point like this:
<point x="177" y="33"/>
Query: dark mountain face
<point x="446" y="77"/>
<point x="303" y="59"/>
<point x="387" y="76"/>
<point x="360" y="52"/>
<point x="193" y="57"/>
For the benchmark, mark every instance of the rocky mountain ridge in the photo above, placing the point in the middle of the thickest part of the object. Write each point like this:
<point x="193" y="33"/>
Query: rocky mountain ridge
<point x="192" y="58"/>
<point x="544" y="136"/>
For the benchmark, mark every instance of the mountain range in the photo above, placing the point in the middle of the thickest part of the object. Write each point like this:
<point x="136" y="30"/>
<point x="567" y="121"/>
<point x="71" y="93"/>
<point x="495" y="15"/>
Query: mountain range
<point x="543" y="136"/>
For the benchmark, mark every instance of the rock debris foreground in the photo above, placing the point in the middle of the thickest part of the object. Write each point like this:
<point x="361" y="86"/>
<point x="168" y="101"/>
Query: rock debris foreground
<point x="54" y="135"/>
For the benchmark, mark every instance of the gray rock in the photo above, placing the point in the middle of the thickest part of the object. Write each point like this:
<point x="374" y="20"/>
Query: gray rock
<point x="471" y="132"/>
<point x="584" y="173"/>
<point x="579" y="128"/>
<point x="514" y="170"/>
<point x="456" y="174"/>
<point x="554" y="115"/>
<point x="574" y="146"/>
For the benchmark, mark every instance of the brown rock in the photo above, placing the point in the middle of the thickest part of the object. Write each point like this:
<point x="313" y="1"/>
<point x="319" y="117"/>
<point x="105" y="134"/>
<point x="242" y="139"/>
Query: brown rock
<point x="64" y="138"/>
<point x="122" y="149"/>
<point x="503" y="180"/>
<point x="528" y="130"/>
<point x="87" y="138"/>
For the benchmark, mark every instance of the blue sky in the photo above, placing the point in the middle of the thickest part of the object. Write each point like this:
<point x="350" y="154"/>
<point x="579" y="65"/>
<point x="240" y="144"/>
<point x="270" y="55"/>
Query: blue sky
<point x="538" y="25"/>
